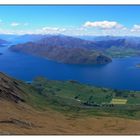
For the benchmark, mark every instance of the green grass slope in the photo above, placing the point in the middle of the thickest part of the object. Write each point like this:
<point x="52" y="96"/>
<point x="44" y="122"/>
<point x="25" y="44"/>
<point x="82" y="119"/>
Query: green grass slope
<point x="71" y="97"/>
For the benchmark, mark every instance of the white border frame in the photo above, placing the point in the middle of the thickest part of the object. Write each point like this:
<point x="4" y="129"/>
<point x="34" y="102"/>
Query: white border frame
<point x="59" y="2"/>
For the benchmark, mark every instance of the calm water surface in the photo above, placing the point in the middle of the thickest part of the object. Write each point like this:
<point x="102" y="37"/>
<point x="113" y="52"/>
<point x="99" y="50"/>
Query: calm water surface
<point x="120" y="74"/>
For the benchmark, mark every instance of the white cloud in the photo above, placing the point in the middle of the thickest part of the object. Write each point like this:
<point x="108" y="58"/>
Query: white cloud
<point x="135" y="28"/>
<point x="97" y="28"/>
<point x="44" y="30"/>
<point x="52" y="30"/>
<point x="103" y="24"/>
<point x="1" y="22"/>
<point x="14" y="24"/>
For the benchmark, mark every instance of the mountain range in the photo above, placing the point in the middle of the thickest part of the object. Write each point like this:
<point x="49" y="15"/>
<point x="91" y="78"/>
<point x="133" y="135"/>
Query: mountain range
<point x="64" y="49"/>
<point x="75" y="50"/>
<point x="3" y="42"/>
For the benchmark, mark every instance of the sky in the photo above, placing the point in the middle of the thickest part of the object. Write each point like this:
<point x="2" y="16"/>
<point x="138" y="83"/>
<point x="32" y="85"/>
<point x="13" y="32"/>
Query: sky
<point x="71" y="20"/>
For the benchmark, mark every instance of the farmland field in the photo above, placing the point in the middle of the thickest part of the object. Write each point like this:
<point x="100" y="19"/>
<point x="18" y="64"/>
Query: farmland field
<point x="118" y="101"/>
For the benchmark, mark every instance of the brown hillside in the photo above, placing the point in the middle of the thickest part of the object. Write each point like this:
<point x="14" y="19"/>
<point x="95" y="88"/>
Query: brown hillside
<point x="17" y="117"/>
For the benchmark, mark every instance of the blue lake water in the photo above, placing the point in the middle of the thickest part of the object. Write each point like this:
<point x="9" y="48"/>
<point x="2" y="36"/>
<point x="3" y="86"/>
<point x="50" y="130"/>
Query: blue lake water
<point x="119" y="74"/>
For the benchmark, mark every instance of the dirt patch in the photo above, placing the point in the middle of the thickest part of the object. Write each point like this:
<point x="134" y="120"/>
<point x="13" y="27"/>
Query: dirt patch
<point x="20" y="123"/>
<point x="24" y="120"/>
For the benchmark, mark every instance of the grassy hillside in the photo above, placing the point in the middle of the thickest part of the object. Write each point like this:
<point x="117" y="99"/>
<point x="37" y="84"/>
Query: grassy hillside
<point x="66" y="107"/>
<point x="116" y="52"/>
<point x="73" y="97"/>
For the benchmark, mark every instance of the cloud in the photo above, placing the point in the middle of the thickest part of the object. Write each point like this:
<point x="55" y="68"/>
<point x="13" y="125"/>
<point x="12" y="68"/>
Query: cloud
<point x="14" y="24"/>
<point x="44" y="30"/>
<point x="52" y="30"/>
<point x="103" y="24"/>
<point x="135" y="28"/>
<point x="1" y="22"/>
<point x="95" y="28"/>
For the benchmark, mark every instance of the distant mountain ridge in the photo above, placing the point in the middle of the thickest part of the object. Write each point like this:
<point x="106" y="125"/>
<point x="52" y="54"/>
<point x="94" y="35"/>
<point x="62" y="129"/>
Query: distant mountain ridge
<point x="56" y="47"/>
<point x="93" y="41"/>
<point x="2" y="42"/>
<point x="64" y="49"/>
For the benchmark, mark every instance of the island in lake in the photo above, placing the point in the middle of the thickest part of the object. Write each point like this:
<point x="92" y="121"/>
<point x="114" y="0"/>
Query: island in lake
<point x="64" y="49"/>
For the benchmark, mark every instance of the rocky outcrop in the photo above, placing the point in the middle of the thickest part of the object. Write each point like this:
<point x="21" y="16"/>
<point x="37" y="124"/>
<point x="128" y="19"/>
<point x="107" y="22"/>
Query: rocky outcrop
<point x="9" y="89"/>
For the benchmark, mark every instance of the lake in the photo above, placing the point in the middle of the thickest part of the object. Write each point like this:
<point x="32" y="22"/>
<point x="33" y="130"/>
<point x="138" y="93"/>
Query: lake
<point x="121" y="73"/>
